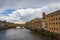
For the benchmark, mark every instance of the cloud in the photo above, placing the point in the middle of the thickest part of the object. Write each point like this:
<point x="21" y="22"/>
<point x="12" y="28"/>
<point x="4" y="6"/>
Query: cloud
<point x="52" y="7"/>
<point x="23" y="15"/>
<point x="25" y="3"/>
<point x="7" y="11"/>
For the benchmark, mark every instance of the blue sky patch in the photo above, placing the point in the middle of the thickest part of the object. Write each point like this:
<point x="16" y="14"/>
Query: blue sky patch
<point x="7" y="11"/>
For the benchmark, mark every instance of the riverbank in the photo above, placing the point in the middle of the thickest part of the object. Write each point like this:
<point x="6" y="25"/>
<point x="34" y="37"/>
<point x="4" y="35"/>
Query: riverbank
<point x="20" y="34"/>
<point x="5" y="28"/>
<point x="50" y="35"/>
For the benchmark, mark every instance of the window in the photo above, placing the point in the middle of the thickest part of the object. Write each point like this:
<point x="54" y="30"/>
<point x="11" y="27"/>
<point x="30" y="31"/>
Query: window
<point x="53" y="14"/>
<point x="50" y="28"/>
<point x="56" y="22"/>
<point x="49" y="23"/>
<point x="57" y="29"/>
<point x="54" y="28"/>
<point x="49" y="19"/>
<point x="56" y="14"/>
<point x="59" y="22"/>
<point x="56" y="18"/>
<point x="59" y="18"/>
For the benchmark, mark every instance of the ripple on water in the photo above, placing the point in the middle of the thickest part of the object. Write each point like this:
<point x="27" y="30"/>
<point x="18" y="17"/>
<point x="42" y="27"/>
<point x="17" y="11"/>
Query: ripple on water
<point x="19" y="34"/>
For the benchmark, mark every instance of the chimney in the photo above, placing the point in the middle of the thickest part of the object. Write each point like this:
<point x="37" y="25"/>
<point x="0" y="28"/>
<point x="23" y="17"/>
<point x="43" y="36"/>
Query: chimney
<point x="43" y="15"/>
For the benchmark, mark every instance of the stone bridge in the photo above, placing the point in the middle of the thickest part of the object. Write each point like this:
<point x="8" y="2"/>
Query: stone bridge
<point x="20" y="25"/>
<point x="14" y="25"/>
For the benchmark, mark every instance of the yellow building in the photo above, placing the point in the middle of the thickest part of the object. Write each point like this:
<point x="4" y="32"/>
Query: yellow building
<point x="36" y="23"/>
<point x="53" y="21"/>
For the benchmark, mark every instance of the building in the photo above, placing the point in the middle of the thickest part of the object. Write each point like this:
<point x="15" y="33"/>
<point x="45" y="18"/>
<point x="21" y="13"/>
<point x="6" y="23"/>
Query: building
<point x="27" y="24"/>
<point x="3" y="24"/>
<point x="36" y="24"/>
<point x="43" y="24"/>
<point x="53" y="21"/>
<point x="11" y="25"/>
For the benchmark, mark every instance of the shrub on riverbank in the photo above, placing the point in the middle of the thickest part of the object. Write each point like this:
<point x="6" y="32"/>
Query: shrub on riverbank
<point x="47" y="33"/>
<point x="2" y="28"/>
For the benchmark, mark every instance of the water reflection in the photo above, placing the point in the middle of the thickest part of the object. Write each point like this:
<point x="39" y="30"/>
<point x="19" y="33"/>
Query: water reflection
<point x="19" y="34"/>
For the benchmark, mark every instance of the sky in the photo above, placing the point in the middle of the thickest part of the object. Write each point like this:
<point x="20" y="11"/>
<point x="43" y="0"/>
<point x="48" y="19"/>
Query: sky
<point x="21" y="11"/>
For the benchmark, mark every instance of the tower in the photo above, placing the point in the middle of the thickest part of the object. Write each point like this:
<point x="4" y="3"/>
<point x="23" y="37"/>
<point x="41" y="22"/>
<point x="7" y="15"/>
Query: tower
<point x="43" y="15"/>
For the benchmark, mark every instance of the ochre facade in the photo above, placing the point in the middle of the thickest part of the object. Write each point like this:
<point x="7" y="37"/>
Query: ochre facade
<point x="36" y="23"/>
<point x="53" y="21"/>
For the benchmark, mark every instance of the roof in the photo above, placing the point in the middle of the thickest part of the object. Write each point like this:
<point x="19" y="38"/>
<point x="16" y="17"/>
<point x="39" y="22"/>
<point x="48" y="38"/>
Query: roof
<point x="55" y="12"/>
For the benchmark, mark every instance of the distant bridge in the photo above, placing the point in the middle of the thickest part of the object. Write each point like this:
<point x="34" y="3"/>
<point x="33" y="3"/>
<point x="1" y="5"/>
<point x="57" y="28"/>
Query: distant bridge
<point x="20" y="25"/>
<point x="14" y="25"/>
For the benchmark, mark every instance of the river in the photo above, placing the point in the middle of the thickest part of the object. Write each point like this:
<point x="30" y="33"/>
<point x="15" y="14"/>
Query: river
<point x="20" y="34"/>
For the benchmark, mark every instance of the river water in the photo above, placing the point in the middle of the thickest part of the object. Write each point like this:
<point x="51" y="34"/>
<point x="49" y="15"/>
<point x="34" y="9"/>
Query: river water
<point x="20" y="34"/>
